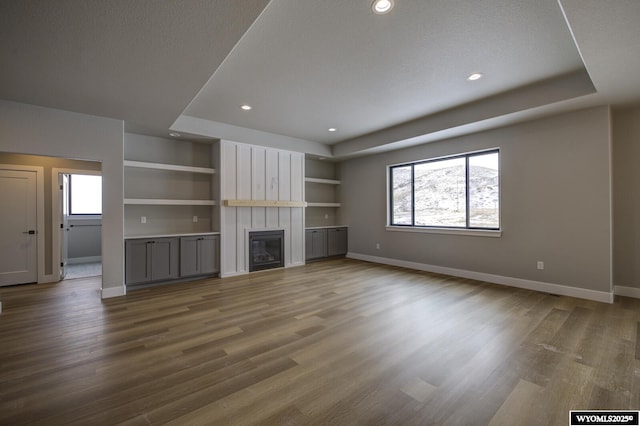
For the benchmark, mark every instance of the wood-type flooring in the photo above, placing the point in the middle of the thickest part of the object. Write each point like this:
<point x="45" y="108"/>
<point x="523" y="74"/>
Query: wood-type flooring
<point x="338" y="342"/>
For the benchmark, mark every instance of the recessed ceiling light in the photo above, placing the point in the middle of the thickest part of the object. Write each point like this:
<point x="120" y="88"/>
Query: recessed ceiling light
<point x="382" y="6"/>
<point x="475" y="76"/>
<point x="174" y="134"/>
<point x="246" y="107"/>
<point x="332" y="129"/>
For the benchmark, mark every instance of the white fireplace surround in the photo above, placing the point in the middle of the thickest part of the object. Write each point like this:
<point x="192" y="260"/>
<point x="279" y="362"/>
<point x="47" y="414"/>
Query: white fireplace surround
<point x="253" y="176"/>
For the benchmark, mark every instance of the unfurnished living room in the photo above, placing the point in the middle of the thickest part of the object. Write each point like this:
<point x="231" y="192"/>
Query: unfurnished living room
<point x="298" y="212"/>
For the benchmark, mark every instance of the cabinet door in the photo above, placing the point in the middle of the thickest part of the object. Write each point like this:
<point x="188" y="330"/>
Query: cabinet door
<point x="315" y="243"/>
<point x="189" y="263"/>
<point x="336" y="241"/>
<point x="137" y="257"/>
<point x="164" y="258"/>
<point x="198" y="255"/>
<point x="208" y="254"/>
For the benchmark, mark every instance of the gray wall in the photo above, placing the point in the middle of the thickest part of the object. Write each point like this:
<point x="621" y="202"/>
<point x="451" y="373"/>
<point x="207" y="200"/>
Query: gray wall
<point x="29" y="129"/>
<point x="47" y="163"/>
<point x="84" y="239"/>
<point x="555" y="204"/>
<point x="626" y="197"/>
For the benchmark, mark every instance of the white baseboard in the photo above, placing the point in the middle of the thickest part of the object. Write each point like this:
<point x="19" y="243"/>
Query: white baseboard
<point x="620" y="290"/>
<point x="598" y="296"/>
<point x="113" y="292"/>
<point x="232" y="274"/>
<point x="86" y="259"/>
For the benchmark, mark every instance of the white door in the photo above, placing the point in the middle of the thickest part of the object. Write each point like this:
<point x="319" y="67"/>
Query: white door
<point x="18" y="239"/>
<point x="63" y="181"/>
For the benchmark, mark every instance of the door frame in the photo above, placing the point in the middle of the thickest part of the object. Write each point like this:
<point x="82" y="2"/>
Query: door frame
<point x="40" y="240"/>
<point x="56" y="211"/>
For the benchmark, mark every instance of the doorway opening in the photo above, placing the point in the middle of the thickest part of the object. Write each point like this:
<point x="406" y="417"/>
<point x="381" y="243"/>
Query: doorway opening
<point x="80" y="223"/>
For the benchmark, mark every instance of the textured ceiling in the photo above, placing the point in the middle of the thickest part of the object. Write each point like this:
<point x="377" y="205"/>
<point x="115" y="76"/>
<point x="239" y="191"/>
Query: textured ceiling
<point x="137" y="60"/>
<point x="305" y="65"/>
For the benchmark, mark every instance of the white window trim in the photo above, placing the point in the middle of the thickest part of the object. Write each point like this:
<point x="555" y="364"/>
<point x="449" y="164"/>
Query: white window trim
<point x="493" y="233"/>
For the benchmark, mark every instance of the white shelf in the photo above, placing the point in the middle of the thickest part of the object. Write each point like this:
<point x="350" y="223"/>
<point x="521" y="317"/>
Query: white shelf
<point x="168" y="202"/>
<point x="310" y="204"/>
<point x="181" y="234"/>
<point x="326" y="181"/>
<point x="172" y="167"/>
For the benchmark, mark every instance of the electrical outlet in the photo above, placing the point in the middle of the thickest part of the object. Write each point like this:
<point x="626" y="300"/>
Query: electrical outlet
<point x="143" y="219"/>
<point x="377" y="246"/>
<point x="540" y="264"/>
<point x="326" y="215"/>
<point x="195" y="219"/>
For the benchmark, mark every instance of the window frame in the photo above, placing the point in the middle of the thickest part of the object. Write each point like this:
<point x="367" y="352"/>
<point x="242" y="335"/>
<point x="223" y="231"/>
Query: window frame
<point x="463" y="230"/>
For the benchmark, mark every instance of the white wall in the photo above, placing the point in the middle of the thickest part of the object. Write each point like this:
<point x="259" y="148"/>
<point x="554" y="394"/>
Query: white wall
<point x="36" y="130"/>
<point x="249" y="172"/>
<point x="555" y="207"/>
<point x="48" y="164"/>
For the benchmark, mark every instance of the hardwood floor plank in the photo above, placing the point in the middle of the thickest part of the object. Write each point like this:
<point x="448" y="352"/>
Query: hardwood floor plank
<point x="337" y="342"/>
<point x="516" y="406"/>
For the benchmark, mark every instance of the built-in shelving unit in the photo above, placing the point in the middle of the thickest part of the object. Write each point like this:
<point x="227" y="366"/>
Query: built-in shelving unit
<point x="168" y="202"/>
<point x="321" y="193"/>
<point x="170" y="187"/>
<point x="325" y="181"/>
<point x="311" y="204"/>
<point x="174" y="167"/>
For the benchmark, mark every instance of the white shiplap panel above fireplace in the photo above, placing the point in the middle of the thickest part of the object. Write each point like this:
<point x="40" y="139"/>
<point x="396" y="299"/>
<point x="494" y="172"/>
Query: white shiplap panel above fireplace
<point x="256" y="173"/>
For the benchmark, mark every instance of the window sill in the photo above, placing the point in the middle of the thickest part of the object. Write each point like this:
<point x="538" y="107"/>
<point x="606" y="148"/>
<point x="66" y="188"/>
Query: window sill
<point x="449" y="231"/>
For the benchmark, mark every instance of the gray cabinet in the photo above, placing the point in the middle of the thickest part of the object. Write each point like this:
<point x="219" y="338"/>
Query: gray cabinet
<point x="152" y="259"/>
<point x="315" y="243"/>
<point x="198" y="255"/>
<point x="336" y="242"/>
<point x="325" y="242"/>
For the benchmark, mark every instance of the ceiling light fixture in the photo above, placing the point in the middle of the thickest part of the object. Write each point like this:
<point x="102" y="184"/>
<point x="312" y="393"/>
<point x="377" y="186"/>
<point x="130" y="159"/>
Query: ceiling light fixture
<point x="332" y="129"/>
<point x="246" y="107"/>
<point x="475" y="76"/>
<point x="174" y="134"/>
<point x="381" y="7"/>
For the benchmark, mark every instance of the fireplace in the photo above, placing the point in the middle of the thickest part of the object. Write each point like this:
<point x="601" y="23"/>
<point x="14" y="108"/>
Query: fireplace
<point x="266" y="250"/>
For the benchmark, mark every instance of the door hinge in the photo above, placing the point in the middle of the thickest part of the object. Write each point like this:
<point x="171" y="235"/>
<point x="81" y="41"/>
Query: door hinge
<point x="61" y="188"/>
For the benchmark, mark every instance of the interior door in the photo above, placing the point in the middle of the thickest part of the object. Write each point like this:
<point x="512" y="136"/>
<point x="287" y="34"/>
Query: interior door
<point x="18" y="228"/>
<point x="63" y="181"/>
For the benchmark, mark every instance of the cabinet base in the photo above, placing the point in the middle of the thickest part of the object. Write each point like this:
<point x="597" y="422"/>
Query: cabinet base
<point x="131" y="287"/>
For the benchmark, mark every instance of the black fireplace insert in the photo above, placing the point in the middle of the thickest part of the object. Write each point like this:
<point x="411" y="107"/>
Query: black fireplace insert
<point x="266" y="250"/>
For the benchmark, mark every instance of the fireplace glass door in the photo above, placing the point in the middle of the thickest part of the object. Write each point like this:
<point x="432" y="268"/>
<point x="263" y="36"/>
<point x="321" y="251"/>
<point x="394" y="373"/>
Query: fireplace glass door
<point x="266" y="250"/>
